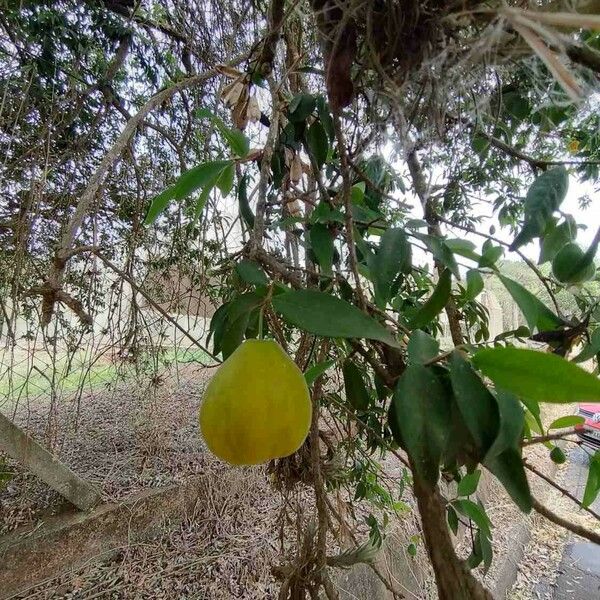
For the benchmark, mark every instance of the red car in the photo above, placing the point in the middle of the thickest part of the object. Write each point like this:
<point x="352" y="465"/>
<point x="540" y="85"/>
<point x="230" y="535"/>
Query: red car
<point x="589" y="432"/>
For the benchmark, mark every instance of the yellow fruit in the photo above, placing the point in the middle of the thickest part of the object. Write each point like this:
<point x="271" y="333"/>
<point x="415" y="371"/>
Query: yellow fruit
<point x="257" y="406"/>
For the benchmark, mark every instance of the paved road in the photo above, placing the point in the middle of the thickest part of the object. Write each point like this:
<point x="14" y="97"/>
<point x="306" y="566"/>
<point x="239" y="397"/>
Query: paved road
<point x="579" y="570"/>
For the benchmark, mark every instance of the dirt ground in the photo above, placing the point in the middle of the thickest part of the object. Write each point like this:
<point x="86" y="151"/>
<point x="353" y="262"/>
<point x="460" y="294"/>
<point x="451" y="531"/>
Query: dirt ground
<point x="132" y="437"/>
<point x="128" y="439"/>
<point x="122" y="439"/>
<point x="546" y="572"/>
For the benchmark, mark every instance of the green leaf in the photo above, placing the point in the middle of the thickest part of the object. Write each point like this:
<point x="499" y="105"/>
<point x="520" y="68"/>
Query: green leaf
<point x="243" y="304"/>
<point x="224" y="184"/>
<point x="572" y="265"/>
<point x="480" y="145"/>
<point x="300" y="107"/>
<point x="244" y="206"/>
<point x="490" y="254"/>
<point x="536" y="313"/>
<point x="487" y="552"/>
<point x="325" y="117"/>
<point x="592" y="486"/>
<point x="316" y="370"/>
<point x="520" y="332"/>
<point x="159" y="204"/>
<point x="476" y="403"/>
<point x="476" y="556"/>
<point x="198" y="177"/>
<point x="188" y="182"/>
<point x="516" y="105"/>
<point x="512" y="423"/>
<point x="474" y="284"/>
<point x="318" y="144"/>
<point x="225" y="180"/>
<point x="533" y="410"/>
<point x="421" y="414"/>
<point x="508" y="468"/>
<point x="202" y="198"/>
<point x="567" y="421"/>
<point x="465" y="248"/>
<point x="251" y="273"/>
<point x="233" y="335"/>
<point x="321" y="242"/>
<point x="217" y="327"/>
<point x="421" y="347"/>
<point x="356" y="391"/>
<point x="357" y="193"/>
<point x="452" y="519"/>
<point x="441" y="252"/>
<point x="328" y="316"/>
<point x="558" y="456"/>
<point x="473" y="511"/>
<point x="411" y="549"/>
<point x="543" y="198"/>
<point x="393" y="257"/>
<point x="434" y="304"/>
<point x="237" y="141"/>
<point x="555" y="237"/>
<point x="468" y="484"/>
<point x="537" y="375"/>
<point x="590" y="350"/>
<point x="237" y="319"/>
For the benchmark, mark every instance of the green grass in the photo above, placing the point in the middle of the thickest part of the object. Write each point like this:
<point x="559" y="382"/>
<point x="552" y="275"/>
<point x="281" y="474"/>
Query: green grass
<point x="24" y="378"/>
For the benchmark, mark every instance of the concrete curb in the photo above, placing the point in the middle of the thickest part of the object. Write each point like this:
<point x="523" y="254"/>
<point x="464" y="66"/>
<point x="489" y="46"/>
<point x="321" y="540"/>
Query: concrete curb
<point x="29" y="557"/>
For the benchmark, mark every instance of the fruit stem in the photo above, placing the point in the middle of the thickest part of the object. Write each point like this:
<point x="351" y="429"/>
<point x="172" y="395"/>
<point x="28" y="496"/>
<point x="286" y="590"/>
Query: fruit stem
<point x="260" y="322"/>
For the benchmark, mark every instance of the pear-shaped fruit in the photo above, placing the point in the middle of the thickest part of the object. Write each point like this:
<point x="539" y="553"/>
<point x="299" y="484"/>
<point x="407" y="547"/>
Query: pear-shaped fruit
<point x="569" y="266"/>
<point x="257" y="406"/>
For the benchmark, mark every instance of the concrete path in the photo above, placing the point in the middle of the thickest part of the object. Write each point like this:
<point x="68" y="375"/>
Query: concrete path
<point x="579" y="570"/>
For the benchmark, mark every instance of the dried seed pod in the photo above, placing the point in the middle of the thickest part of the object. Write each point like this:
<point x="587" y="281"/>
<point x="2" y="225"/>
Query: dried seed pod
<point x="296" y="169"/>
<point x="231" y="93"/>
<point x="239" y="114"/>
<point x="253" y="109"/>
<point x="288" y="155"/>
<point x="294" y="207"/>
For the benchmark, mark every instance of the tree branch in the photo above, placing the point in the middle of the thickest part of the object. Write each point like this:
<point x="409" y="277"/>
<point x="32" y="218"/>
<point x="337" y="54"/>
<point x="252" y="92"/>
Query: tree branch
<point x="155" y="305"/>
<point x="422" y="191"/>
<point x="579" y="530"/>
<point x="534" y="162"/>
<point x="562" y="490"/>
<point x="549" y="437"/>
<point x="346" y="199"/>
<point x="55" y="276"/>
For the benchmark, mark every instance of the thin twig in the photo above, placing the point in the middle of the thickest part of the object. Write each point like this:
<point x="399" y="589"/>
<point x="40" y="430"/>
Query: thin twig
<point x="347" y="201"/>
<point x="559" y="435"/>
<point x="265" y="170"/>
<point x="562" y="490"/>
<point x="579" y="530"/>
<point x="155" y="305"/>
<point x="522" y="256"/>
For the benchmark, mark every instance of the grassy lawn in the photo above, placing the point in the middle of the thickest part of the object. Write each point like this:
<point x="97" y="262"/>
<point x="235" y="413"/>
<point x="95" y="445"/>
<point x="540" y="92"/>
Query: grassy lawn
<point x="33" y="378"/>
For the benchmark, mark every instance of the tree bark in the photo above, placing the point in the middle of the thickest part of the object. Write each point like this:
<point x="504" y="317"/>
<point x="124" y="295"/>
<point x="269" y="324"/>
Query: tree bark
<point x="454" y="581"/>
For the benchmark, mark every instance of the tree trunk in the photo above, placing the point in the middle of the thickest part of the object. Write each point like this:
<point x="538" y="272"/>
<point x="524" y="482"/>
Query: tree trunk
<point x="454" y="580"/>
